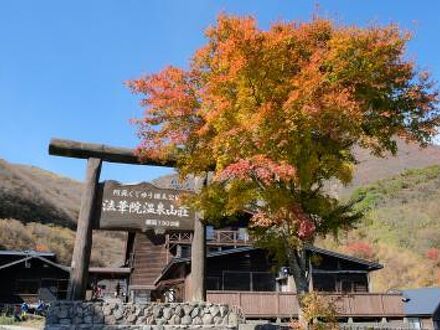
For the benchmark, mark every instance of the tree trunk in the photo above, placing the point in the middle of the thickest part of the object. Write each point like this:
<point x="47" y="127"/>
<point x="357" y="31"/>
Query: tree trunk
<point x="298" y="264"/>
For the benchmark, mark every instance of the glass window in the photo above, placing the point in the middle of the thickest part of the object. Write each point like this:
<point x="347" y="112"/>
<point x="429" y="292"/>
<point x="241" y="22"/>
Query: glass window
<point x="324" y="283"/>
<point x="212" y="283"/>
<point x="263" y="282"/>
<point x="239" y="281"/>
<point x="415" y="323"/>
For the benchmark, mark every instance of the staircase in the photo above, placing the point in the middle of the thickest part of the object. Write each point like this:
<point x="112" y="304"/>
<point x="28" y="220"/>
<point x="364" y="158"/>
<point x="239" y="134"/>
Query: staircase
<point x="150" y="258"/>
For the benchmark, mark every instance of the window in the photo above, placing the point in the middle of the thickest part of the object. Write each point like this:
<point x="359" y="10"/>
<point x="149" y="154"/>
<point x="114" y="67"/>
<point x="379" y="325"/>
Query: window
<point x="346" y="286"/>
<point x="324" y="283"/>
<point x="414" y="323"/>
<point x="263" y="282"/>
<point x="213" y="283"/>
<point x="248" y="281"/>
<point x="239" y="281"/>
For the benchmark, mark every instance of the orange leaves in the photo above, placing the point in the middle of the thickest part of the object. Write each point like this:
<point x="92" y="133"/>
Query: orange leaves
<point x="277" y="112"/>
<point x="294" y="217"/>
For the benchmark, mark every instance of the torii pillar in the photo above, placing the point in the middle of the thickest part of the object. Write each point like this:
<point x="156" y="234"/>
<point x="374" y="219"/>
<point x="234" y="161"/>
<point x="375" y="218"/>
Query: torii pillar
<point x="198" y="251"/>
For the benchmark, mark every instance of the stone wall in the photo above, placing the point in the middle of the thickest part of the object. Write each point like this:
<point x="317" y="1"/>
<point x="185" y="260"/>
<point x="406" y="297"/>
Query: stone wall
<point x="64" y="315"/>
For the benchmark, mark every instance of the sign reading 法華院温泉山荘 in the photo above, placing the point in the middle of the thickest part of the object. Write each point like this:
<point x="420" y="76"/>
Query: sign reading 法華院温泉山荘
<point x="141" y="207"/>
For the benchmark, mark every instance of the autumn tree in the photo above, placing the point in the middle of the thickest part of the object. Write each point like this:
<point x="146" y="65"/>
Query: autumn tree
<point x="275" y="114"/>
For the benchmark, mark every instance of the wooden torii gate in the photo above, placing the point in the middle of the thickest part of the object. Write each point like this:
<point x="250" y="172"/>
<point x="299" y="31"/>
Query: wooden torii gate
<point x="95" y="155"/>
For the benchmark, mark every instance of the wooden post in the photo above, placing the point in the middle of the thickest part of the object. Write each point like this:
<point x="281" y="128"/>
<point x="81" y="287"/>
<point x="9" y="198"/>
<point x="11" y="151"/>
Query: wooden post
<point x="83" y="240"/>
<point x="198" y="251"/>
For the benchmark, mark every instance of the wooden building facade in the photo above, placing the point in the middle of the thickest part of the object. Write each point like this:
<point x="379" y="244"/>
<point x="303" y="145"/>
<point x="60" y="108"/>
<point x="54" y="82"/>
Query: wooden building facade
<point x="27" y="276"/>
<point x="233" y="264"/>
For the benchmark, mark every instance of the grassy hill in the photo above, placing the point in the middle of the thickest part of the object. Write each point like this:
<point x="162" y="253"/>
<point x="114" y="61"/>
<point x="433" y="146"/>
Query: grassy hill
<point x="38" y="210"/>
<point x="401" y="229"/>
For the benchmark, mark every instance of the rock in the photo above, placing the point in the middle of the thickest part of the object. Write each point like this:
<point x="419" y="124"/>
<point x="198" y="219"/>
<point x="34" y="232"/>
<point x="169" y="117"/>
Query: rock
<point x="179" y="311"/>
<point x="161" y="321"/>
<point x="118" y="314"/>
<point x="148" y="310"/>
<point x="186" y="320"/>
<point x="65" y="321"/>
<point x="107" y="311"/>
<point x="110" y="319"/>
<point x="233" y="319"/>
<point x="195" y="312"/>
<point x="77" y="320"/>
<point x="131" y="318"/>
<point x="167" y="313"/>
<point x="188" y="309"/>
<point x="151" y="320"/>
<point x="88" y="319"/>
<point x="207" y="319"/>
<point x="98" y="319"/>
<point x="176" y="320"/>
<point x="157" y="311"/>
<point x="62" y="313"/>
<point x="218" y="320"/>
<point x="197" y="321"/>
<point x="214" y="310"/>
<point x="78" y="310"/>
<point x="223" y="310"/>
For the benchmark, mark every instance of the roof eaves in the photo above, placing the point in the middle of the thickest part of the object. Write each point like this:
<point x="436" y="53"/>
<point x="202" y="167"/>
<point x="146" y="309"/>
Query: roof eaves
<point x="370" y="264"/>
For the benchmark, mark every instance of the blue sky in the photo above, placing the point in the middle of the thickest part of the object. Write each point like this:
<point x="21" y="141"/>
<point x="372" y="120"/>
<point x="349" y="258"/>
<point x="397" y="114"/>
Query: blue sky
<point x="63" y="63"/>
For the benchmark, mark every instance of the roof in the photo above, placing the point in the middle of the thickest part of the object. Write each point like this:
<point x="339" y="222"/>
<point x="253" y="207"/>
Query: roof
<point x="370" y="264"/>
<point x="110" y="270"/>
<point x="34" y="256"/>
<point x="26" y="253"/>
<point x="175" y="261"/>
<point x="422" y="301"/>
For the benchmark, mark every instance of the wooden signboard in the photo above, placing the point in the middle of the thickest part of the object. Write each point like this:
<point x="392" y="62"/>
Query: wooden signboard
<point x="141" y="207"/>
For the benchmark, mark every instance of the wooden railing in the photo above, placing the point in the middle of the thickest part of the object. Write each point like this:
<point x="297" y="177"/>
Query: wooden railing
<point x="285" y="304"/>
<point x="217" y="237"/>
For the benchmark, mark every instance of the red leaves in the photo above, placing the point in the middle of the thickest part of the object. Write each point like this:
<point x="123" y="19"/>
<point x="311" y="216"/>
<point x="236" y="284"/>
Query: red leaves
<point x="258" y="167"/>
<point x="433" y="254"/>
<point x="360" y="249"/>
<point x="294" y="218"/>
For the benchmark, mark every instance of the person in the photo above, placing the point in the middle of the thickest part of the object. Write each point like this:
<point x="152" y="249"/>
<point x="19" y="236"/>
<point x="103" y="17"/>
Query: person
<point x="17" y="312"/>
<point x="118" y="290"/>
<point x="24" y="310"/>
<point x="41" y="308"/>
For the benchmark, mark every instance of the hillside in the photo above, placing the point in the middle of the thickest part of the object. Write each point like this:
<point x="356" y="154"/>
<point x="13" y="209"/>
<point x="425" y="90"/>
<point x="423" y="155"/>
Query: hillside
<point x="371" y="169"/>
<point x="38" y="210"/>
<point x="401" y="229"/>
<point x="28" y="194"/>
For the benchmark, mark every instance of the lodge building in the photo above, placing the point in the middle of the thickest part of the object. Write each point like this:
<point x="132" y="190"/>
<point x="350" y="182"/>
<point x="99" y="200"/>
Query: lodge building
<point x="241" y="275"/>
<point x="158" y="268"/>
